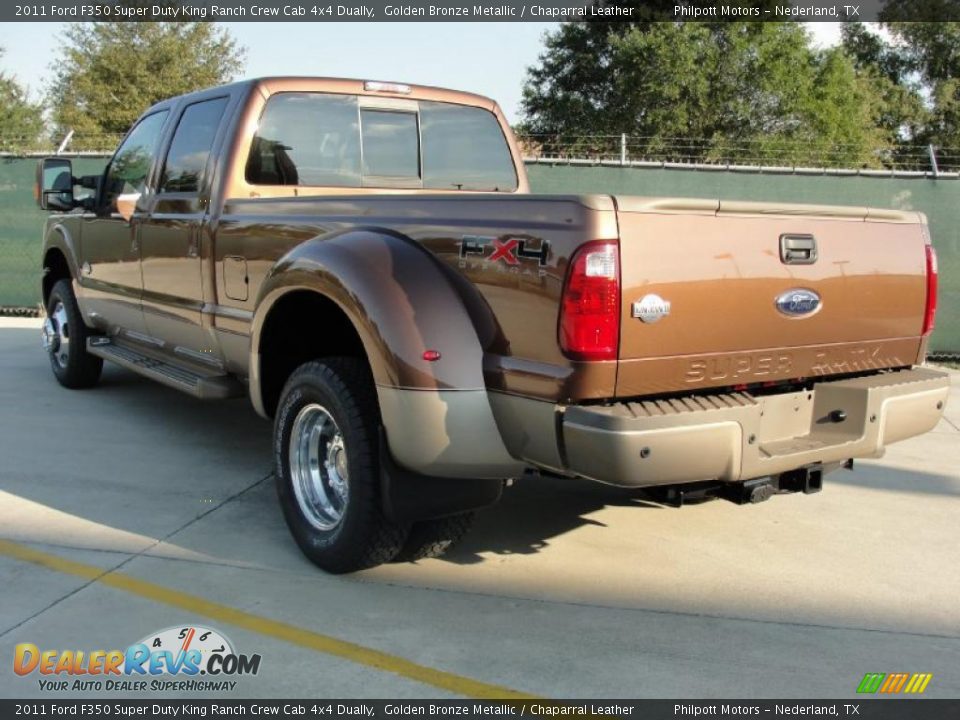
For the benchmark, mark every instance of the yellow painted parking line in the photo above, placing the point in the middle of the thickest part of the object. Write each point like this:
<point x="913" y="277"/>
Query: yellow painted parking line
<point x="457" y="684"/>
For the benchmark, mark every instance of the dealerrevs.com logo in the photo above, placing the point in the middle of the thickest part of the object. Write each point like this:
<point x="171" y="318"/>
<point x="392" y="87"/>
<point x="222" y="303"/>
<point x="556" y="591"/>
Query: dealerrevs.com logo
<point x="170" y="660"/>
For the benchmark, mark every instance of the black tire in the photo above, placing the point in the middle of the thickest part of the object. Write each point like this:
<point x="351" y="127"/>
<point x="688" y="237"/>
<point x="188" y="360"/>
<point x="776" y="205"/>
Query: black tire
<point x="72" y="365"/>
<point x="433" y="538"/>
<point x="361" y="536"/>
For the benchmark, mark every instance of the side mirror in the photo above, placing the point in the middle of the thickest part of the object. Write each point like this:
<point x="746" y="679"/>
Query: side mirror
<point x="54" y="189"/>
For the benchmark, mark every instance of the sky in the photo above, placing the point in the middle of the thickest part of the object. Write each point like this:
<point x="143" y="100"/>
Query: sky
<point x="485" y="58"/>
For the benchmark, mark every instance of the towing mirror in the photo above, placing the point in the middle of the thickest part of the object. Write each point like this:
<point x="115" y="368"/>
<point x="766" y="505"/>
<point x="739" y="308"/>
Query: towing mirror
<point x="54" y="188"/>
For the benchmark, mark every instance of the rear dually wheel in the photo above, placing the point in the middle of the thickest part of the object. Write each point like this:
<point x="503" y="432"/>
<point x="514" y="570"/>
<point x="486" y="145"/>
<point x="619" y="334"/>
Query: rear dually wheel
<point x="326" y="453"/>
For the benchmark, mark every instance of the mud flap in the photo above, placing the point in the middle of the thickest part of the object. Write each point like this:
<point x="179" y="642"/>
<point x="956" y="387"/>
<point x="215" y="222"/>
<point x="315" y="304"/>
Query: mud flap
<point x="408" y="497"/>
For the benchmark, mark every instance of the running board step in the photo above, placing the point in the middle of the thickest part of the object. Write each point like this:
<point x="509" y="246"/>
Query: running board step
<point x="204" y="386"/>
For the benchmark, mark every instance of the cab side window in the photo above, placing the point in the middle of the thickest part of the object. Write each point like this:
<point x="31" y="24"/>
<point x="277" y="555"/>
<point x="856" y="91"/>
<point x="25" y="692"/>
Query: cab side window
<point x="131" y="164"/>
<point x="191" y="146"/>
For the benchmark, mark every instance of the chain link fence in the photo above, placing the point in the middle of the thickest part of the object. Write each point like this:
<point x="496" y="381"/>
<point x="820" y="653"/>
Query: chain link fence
<point x="641" y="150"/>
<point x="101" y="144"/>
<point x="773" y="154"/>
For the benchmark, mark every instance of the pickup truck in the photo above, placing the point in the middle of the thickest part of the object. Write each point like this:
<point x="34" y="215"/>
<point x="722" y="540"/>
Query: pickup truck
<point x="366" y="262"/>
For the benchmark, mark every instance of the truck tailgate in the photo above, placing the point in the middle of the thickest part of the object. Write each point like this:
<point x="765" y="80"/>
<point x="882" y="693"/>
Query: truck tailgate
<point x="714" y="294"/>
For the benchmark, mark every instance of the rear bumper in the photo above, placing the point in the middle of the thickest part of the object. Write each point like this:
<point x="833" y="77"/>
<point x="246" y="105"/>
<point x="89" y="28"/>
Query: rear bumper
<point x="738" y="437"/>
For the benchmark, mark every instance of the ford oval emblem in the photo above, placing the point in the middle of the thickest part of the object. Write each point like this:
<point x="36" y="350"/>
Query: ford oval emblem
<point x="798" y="302"/>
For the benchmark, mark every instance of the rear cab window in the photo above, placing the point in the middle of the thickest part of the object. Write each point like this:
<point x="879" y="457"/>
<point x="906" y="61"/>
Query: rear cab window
<point x="316" y="139"/>
<point x="307" y="139"/>
<point x="464" y="149"/>
<point x="390" y="143"/>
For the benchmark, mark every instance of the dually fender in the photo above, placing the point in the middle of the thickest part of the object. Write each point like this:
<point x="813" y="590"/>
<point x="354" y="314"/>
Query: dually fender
<point x="402" y="302"/>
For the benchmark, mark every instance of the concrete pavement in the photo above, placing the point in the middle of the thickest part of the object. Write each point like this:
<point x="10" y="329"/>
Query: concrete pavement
<point x="563" y="590"/>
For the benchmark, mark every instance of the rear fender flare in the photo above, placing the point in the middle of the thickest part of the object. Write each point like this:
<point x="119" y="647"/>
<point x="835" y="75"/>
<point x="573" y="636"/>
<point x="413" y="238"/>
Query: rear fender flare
<point x="401" y="303"/>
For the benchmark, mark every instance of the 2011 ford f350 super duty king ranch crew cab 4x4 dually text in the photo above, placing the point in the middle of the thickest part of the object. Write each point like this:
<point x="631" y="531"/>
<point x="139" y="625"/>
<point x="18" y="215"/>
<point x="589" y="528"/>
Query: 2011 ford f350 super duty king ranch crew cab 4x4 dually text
<point x="366" y="262"/>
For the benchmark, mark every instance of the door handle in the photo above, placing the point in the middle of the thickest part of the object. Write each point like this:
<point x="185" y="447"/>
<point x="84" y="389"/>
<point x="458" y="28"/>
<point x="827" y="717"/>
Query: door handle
<point x="798" y="249"/>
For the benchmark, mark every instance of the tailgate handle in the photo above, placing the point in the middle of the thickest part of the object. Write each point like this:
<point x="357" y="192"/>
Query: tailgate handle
<point x="798" y="249"/>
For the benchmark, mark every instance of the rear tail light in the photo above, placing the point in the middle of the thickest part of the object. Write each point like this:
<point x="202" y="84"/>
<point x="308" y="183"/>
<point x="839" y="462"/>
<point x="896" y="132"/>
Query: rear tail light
<point x="590" y="307"/>
<point x="931" y="310"/>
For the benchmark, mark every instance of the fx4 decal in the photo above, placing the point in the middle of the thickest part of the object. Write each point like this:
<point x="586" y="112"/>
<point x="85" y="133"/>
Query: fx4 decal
<point x="508" y="249"/>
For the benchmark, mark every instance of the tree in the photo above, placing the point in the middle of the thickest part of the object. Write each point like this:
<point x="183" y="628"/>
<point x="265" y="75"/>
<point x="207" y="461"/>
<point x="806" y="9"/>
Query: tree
<point x="21" y="121"/>
<point x="743" y="91"/>
<point x="899" y="110"/>
<point x="932" y="51"/>
<point x="109" y="73"/>
<point x="918" y="72"/>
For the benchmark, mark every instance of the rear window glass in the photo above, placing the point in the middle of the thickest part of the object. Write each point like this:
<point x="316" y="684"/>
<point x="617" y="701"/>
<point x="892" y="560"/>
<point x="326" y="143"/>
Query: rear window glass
<point x="464" y="149"/>
<point x="320" y="139"/>
<point x="391" y="143"/>
<point x="307" y="139"/>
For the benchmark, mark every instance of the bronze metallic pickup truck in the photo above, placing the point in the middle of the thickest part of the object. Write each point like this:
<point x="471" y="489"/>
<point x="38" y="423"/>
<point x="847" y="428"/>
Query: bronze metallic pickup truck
<point x="366" y="262"/>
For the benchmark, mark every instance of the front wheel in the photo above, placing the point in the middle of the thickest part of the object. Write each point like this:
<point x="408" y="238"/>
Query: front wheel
<point x="65" y="340"/>
<point x="327" y="469"/>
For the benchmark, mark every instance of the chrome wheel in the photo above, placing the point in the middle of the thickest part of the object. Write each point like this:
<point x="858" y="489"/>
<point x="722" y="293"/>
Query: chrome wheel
<point x="318" y="467"/>
<point x="56" y="334"/>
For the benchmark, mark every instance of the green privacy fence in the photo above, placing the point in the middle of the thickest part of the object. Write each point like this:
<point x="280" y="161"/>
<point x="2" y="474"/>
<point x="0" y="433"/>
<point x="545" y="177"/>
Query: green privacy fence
<point x="21" y="221"/>
<point x="21" y="227"/>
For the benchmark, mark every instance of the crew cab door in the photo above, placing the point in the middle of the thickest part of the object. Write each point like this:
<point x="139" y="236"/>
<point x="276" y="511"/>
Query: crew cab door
<point x="173" y="231"/>
<point x="110" y="279"/>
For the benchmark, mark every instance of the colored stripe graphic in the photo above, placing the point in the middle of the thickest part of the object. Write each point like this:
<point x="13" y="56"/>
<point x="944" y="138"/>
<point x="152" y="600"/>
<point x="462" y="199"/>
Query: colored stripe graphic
<point x="894" y="683"/>
<point x="918" y="683"/>
<point x="913" y="683"/>
<point x="871" y="682"/>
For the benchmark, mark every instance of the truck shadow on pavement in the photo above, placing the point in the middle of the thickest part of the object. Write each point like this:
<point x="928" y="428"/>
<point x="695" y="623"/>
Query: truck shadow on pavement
<point x="131" y="445"/>
<point x="531" y="512"/>
<point x="536" y="509"/>
<point x="137" y="459"/>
